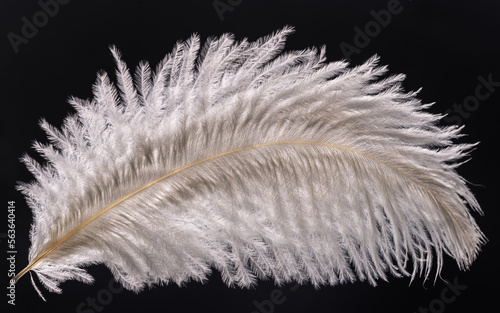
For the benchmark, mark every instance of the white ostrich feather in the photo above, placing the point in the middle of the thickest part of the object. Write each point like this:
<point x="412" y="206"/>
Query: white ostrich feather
<point x="254" y="163"/>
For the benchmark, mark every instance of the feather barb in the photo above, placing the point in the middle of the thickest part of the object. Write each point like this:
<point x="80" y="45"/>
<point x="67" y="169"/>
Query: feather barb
<point x="33" y="263"/>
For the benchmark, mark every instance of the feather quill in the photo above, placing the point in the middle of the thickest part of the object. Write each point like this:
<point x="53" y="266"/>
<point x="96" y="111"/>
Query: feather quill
<point x="257" y="163"/>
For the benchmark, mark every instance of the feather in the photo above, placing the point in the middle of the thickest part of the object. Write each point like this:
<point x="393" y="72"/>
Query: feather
<point x="253" y="162"/>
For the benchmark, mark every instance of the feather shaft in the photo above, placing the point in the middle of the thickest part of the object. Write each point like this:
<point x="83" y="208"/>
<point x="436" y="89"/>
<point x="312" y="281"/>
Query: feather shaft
<point x="32" y="264"/>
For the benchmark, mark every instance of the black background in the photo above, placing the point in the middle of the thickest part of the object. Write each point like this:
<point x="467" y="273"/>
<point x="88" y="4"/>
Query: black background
<point x="442" y="46"/>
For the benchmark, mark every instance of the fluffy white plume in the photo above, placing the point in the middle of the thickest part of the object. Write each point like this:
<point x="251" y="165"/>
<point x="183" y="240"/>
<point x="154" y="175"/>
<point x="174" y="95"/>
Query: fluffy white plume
<point x="254" y="163"/>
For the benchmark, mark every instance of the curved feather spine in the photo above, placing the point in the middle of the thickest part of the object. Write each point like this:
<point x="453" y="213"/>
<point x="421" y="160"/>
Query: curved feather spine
<point x="33" y="263"/>
<point x="194" y="117"/>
